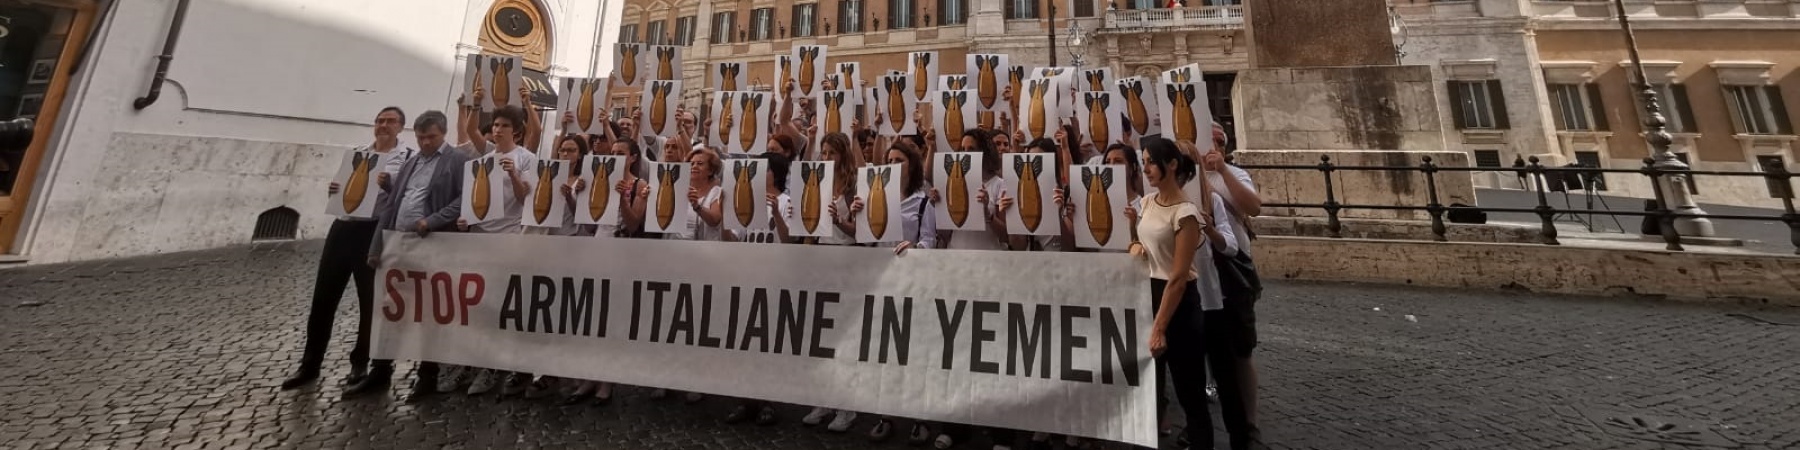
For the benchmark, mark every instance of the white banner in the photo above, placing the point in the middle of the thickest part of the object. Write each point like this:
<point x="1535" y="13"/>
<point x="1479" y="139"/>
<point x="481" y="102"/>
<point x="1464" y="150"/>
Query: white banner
<point x="973" y="337"/>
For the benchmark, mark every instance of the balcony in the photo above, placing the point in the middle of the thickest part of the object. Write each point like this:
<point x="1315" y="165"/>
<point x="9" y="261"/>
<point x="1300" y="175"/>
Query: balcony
<point x="1193" y="17"/>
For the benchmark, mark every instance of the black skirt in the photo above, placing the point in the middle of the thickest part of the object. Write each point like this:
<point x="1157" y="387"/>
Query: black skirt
<point x="1188" y="320"/>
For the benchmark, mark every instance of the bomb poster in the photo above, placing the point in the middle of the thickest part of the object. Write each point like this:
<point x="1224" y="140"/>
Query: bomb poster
<point x="546" y="204"/>
<point x="953" y="82"/>
<point x="880" y="220"/>
<point x="809" y="70"/>
<point x="989" y="78"/>
<point x="722" y="126"/>
<point x="664" y="62"/>
<point x="1100" y="118"/>
<point x="784" y="72"/>
<point x="1031" y="180"/>
<point x="746" y="204"/>
<point x="897" y="105"/>
<point x="869" y="110"/>
<point x="836" y="114"/>
<point x="669" y="210"/>
<point x="958" y="179"/>
<point x="753" y="109"/>
<point x="1097" y="193"/>
<point x="599" y="203"/>
<point x="812" y="185"/>
<point x="500" y="78"/>
<point x="1040" y="108"/>
<point x="1141" y="106"/>
<point x="357" y="185"/>
<point x="474" y="65"/>
<point x="1100" y="79"/>
<point x="923" y="66"/>
<point x="484" y="190"/>
<point x="629" y="63"/>
<point x="585" y="99"/>
<point x="661" y="99"/>
<point x="730" y="76"/>
<point x="852" y="72"/>
<point x="1185" y="114"/>
<point x="1185" y="74"/>
<point x="952" y="113"/>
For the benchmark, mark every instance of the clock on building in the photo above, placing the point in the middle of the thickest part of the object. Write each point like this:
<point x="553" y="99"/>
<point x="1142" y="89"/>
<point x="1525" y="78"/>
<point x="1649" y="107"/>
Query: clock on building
<point x="513" y="21"/>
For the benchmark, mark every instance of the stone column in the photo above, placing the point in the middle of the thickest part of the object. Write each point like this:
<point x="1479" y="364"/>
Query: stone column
<point x="989" y="18"/>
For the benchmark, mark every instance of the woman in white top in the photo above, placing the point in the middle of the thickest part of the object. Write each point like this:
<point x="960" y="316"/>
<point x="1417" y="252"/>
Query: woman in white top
<point x="919" y="229"/>
<point x="634" y="195"/>
<point x="704" y="194"/>
<point x="1171" y="232"/>
<point x="977" y="140"/>
<point x="836" y="147"/>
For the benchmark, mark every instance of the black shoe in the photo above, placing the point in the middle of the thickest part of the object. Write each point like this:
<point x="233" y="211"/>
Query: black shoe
<point x="356" y="375"/>
<point x="766" y="416"/>
<point x="301" y="378"/>
<point x="738" y="414"/>
<point x="370" y="384"/>
<point x="422" y="389"/>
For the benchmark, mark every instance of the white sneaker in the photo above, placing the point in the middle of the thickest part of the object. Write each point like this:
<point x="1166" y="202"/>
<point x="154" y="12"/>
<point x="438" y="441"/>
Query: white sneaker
<point x="816" y="416"/>
<point x="453" y="379"/>
<point x="484" y="382"/>
<point x="842" y="422"/>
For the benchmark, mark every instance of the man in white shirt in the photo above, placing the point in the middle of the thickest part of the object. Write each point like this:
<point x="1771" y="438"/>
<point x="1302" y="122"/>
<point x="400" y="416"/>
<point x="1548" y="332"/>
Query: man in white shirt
<point x="346" y="247"/>
<point x="1231" y="331"/>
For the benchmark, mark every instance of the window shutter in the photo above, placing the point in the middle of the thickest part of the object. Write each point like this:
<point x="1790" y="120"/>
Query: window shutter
<point x="1599" y="106"/>
<point x="1457" y="105"/>
<point x="1496" y="98"/>
<point x="1682" y="110"/>
<point x="1779" y="107"/>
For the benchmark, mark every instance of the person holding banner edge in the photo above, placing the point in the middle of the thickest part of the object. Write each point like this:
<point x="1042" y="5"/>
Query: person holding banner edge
<point x="1171" y="232"/>
<point x="340" y="264"/>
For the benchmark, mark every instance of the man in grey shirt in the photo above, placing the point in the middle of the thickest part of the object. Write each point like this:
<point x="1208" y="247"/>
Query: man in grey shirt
<point x="427" y="199"/>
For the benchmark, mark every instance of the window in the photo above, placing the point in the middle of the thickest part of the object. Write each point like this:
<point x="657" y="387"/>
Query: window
<point x="804" y="17"/>
<point x="1140" y="4"/>
<point x="628" y="34"/>
<point x="1673" y="98"/>
<point x="1595" y="179"/>
<point x="723" y="27"/>
<point x="1021" y="9"/>
<point x="1083" y="8"/>
<point x="850" y="19"/>
<point x="954" y="12"/>
<point x="684" y="31"/>
<point x="900" y="14"/>
<point x="654" y="34"/>
<point x="1487" y="158"/>
<point x="1758" y="110"/>
<point x="1478" y="105"/>
<point x="762" y="23"/>
<point x="1577" y="107"/>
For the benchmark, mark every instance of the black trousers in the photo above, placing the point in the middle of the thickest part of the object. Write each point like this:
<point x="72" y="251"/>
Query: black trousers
<point x="1185" y="361"/>
<point x="1226" y="354"/>
<point x="346" y="258"/>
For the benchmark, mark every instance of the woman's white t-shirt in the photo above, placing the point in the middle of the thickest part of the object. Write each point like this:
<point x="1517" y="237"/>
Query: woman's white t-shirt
<point x="981" y="239"/>
<point x="697" y="229"/>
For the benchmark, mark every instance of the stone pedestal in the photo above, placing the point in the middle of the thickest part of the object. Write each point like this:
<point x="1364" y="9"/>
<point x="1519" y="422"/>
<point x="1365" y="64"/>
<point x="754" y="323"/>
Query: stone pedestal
<point x="1357" y="187"/>
<point x="1335" y="108"/>
<point x="1320" y="33"/>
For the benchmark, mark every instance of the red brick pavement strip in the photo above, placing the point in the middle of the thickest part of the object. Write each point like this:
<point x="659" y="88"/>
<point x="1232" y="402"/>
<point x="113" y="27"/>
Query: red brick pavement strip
<point x="184" y="351"/>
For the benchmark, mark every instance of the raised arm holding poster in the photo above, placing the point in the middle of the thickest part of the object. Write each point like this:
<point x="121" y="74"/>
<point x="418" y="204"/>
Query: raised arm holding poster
<point x="599" y="203"/>
<point x="1098" y="195"/>
<point x="957" y="177"/>
<point x="1031" y="178"/>
<point x="879" y="189"/>
<point x="357" y="188"/>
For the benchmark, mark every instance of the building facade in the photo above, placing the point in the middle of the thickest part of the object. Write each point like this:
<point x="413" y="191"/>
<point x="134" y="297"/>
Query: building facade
<point x="1552" y="79"/>
<point x="260" y="101"/>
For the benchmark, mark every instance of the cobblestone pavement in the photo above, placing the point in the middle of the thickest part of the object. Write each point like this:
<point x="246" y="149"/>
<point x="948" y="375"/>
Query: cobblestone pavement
<point x="185" y="351"/>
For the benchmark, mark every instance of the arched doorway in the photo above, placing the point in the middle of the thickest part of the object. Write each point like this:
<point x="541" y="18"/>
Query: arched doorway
<point x="522" y="28"/>
<point x="39" y="43"/>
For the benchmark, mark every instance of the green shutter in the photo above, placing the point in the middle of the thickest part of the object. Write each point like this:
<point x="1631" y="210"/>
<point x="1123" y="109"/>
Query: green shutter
<point x="1456" y="105"/>
<point x="1599" y="104"/>
<point x="1683" y="109"/>
<point x="1782" y="124"/>
<point x="1498" y="99"/>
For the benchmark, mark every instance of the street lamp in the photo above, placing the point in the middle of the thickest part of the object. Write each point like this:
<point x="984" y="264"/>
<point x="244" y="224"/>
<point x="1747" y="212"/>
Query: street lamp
<point x="1078" y="40"/>
<point x="1675" y="183"/>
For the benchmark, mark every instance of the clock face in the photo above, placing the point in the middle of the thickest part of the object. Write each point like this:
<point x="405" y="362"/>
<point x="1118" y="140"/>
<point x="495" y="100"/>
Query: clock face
<point x="513" y="22"/>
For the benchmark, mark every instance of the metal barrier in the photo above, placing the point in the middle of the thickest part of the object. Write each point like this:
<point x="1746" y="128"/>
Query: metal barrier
<point x="1779" y="181"/>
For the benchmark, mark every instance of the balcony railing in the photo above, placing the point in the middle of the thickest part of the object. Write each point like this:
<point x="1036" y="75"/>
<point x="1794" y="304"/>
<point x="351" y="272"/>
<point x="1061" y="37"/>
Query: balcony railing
<point x="1228" y="17"/>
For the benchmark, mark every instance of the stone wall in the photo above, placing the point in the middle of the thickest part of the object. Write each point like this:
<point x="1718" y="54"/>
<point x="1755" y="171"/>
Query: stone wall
<point x="1357" y="187"/>
<point x="1773" y="279"/>
<point x="1340" y="108"/>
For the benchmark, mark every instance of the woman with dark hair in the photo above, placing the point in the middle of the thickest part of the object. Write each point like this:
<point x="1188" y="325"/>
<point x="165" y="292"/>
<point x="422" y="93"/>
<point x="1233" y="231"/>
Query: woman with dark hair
<point x="837" y="148"/>
<point x="777" y="201"/>
<point x="989" y="195"/>
<point x="783" y="144"/>
<point x="1176" y="238"/>
<point x="918" y="229"/>
<point x="634" y="197"/>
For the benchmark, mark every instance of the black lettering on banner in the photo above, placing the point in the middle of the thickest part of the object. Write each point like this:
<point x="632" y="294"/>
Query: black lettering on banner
<point x="1033" y="345"/>
<point x="756" y="322"/>
<point x="512" y="309"/>
<point x="948" y="324"/>
<point x="791" y="322"/>
<point x="1122" y="345"/>
<point x="731" y="322"/>
<point x="981" y="335"/>
<point x="637" y="303"/>
<point x="896" y="328"/>
<point x="1070" y="342"/>
<point x="443" y="300"/>
<point x="577" y="308"/>
<point x="682" y="320"/>
<point x="820" y="323"/>
<point x="543" y="296"/>
<point x="868" y="316"/>
<point x="656" y="306"/>
<point x="706" y="337"/>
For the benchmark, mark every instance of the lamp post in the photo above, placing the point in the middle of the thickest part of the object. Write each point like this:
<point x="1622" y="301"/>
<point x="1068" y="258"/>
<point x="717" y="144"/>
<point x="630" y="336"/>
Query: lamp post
<point x="1078" y="41"/>
<point x="1656" y="133"/>
<point x="1052" y="27"/>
